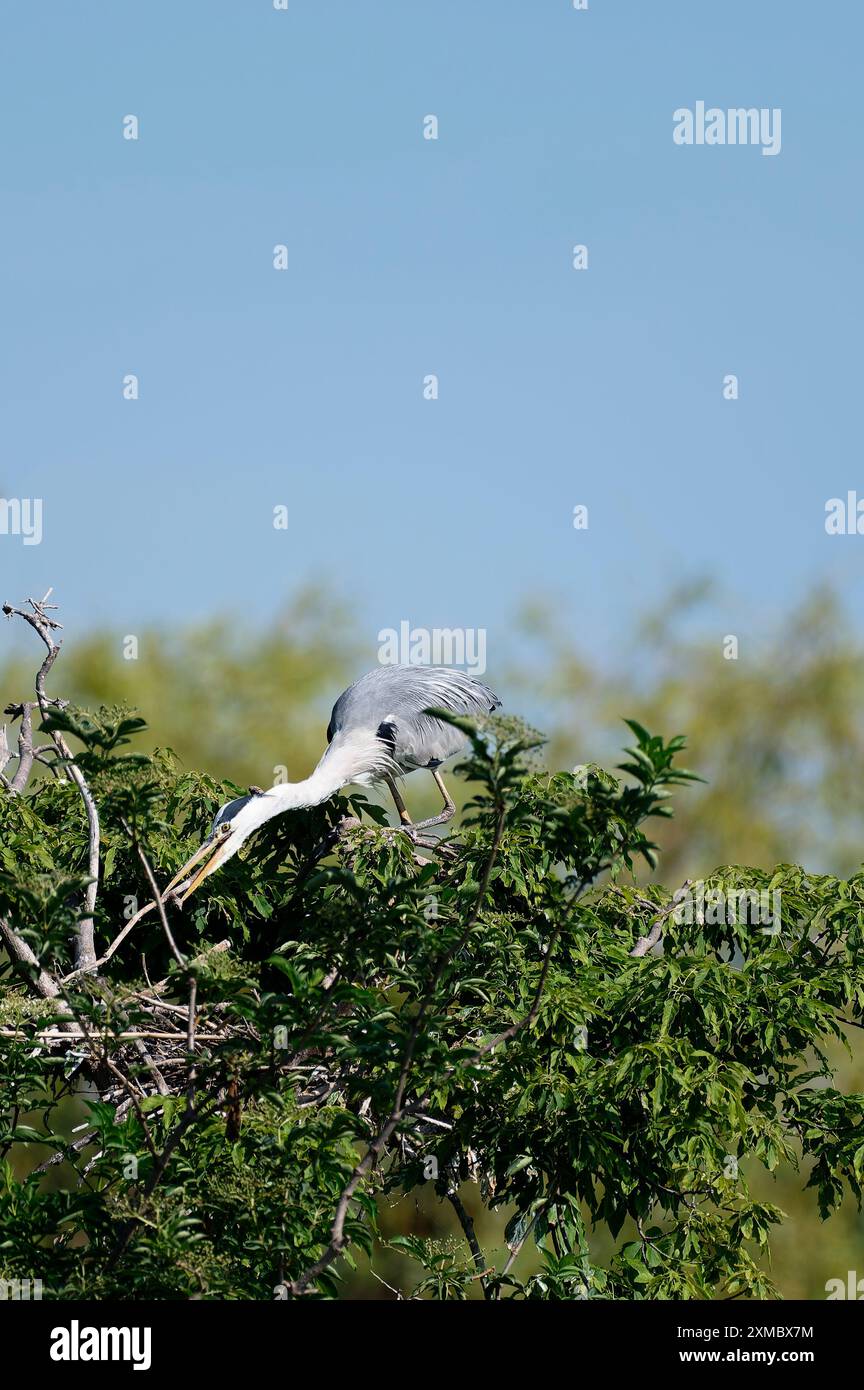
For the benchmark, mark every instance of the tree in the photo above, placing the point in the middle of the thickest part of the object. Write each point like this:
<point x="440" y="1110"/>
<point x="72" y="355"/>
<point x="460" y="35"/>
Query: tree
<point x="337" y="1019"/>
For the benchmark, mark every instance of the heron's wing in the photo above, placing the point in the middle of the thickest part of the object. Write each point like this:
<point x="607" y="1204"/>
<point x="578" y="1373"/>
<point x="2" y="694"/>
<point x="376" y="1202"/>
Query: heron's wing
<point x="420" y="740"/>
<point x="391" y="701"/>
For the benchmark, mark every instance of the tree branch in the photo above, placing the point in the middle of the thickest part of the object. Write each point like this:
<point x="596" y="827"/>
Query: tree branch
<point x="45" y="626"/>
<point x="467" y="1223"/>
<point x="27" y="964"/>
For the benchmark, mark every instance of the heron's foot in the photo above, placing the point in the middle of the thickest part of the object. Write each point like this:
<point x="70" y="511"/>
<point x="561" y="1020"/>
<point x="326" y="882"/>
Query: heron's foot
<point x="430" y="842"/>
<point x="411" y="832"/>
<point x="446" y="815"/>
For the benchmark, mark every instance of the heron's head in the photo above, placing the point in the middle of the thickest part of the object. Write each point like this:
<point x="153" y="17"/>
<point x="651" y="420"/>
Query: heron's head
<point x="234" y="824"/>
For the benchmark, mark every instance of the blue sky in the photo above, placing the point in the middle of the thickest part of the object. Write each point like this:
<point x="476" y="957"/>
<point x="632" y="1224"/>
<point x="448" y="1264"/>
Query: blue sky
<point x="408" y="257"/>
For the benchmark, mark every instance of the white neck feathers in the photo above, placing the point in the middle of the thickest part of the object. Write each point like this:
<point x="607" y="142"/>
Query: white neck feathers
<point x="349" y="756"/>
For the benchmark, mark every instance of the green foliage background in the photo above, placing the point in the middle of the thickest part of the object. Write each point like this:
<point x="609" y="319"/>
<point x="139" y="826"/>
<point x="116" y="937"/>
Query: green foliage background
<point x="778" y="740"/>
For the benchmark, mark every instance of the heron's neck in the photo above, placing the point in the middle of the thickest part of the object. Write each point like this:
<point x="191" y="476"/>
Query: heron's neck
<point x="290" y="796"/>
<point x="346" y="758"/>
<point x="343" y="760"/>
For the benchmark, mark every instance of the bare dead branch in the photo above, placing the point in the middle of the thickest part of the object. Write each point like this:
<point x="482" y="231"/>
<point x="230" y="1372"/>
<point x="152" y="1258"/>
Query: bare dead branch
<point x="25" y="752"/>
<point x="44" y="626"/>
<point x="5" y="755"/>
<point x="190" y="1041"/>
<point x="27" y="964"/>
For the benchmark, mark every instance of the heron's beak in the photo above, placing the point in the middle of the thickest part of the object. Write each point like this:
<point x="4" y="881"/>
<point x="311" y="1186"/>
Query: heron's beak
<point x="218" y="857"/>
<point x="213" y="851"/>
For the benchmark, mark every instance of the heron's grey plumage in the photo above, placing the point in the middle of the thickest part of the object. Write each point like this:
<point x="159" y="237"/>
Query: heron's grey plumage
<point x="378" y="729"/>
<point x="390" y="701"/>
<point x="229" y="811"/>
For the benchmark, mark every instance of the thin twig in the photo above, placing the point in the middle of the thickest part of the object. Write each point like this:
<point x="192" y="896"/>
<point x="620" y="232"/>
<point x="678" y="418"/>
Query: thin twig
<point x="158" y="901"/>
<point x="190" y="1041"/>
<point x="127" y="1086"/>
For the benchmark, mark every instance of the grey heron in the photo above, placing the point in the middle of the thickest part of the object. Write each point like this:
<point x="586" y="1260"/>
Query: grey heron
<point x="378" y="731"/>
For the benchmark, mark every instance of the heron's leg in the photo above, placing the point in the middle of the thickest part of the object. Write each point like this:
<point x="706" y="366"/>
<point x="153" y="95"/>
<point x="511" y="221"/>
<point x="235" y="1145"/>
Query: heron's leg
<point x="449" y="807"/>
<point x="397" y="797"/>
